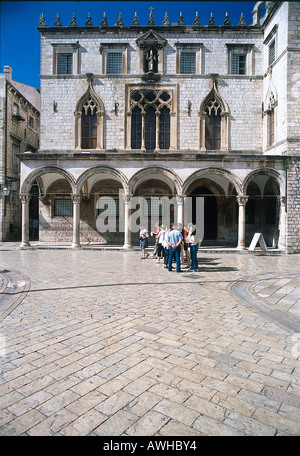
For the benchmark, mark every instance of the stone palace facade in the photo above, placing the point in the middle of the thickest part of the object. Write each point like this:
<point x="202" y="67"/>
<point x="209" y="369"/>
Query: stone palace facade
<point x="168" y="111"/>
<point x="19" y="132"/>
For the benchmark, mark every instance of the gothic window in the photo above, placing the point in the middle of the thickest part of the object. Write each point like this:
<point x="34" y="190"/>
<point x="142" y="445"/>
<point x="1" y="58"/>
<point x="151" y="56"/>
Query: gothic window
<point x="164" y="128"/>
<point x="214" y="122"/>
<point x="213" y="125"/>
<point x="136" y="128"/>
<point x="150" y="129"/>
<point x="150" y="119"/>
<point x="213" y="131"/>
<point x="89" y="121"/>
<point x="88" y="129"/>
<point x="270" y="114"/>
<point x="271" y="129"/>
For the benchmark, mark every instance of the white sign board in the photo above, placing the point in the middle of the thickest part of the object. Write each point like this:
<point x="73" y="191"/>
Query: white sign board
<point x="258" y="237"/>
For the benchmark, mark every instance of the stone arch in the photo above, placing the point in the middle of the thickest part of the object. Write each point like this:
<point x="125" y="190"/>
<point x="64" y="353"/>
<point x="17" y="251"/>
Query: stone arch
<point x="205" y="172"/>
<point x="219" y="188"/>
<point x="114" y="173"/>
<point x="257" y="12"/>
<point x="168" y="174"/>
<point x="264" y="189"/>
<point x="38" y="173"/>
<point x="214" y="93"/>
<point x="90" y="93"/>
<point x="268" y="172"/>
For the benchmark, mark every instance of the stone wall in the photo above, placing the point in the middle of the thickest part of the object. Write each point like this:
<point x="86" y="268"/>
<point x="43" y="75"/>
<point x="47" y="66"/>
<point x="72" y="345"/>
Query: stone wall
<point x="241" y="93"/>
<point x="293" y="206"/>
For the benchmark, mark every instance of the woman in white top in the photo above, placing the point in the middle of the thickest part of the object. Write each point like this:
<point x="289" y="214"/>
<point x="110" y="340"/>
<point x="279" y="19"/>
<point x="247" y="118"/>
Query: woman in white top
<point x="144" y="241"/>
<point x="193" y="247"/>
<point x="160" y="245"/>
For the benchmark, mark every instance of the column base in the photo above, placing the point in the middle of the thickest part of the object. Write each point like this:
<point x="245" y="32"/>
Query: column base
<point x="75" y="246"/>
<point x="241" y="247"/>
<point x="127" y="247"/>
<point x="24" y="246"/>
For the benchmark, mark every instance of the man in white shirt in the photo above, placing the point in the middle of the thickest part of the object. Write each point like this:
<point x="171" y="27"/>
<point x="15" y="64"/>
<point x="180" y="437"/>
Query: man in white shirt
<point x="174" y="239"/>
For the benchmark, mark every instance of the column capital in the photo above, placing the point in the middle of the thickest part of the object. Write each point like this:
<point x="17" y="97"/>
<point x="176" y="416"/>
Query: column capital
<point x="76" y="198"/>
<point x="127" y="197"/>
<point x="24" y="197"/>
<point x="180" y="199"/>
<point x="242" y="200"/>
<point x="281" y="199"/>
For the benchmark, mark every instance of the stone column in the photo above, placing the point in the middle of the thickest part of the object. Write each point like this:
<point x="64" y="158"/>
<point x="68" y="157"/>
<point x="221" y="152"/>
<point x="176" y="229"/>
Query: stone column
<point x="25" y="198"/>
<point x="76" y="221"/>
<point x="127" y="232"/>
<point x="242" y="201"/>
<point x="180" y="208"/>
<point x="282" y="223"/>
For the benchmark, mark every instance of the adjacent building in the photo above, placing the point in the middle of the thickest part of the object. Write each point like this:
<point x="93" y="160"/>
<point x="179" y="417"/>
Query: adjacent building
<point x="19" y="133"/>
<point x="168" y="112"/>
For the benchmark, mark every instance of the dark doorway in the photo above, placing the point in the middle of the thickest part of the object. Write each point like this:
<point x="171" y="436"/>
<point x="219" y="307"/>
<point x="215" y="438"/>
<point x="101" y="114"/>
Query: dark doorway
<point x="34" y="213"/>
<point x="210" y="212"/>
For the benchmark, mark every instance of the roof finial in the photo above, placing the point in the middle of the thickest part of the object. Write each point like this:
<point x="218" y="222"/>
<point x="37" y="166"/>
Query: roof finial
<point x="104" y="22"/>
<point x="196" y="20"/>
<point x="42" y="21"/>
<point x="242" y="20"/>
<point x="226" y="21"/>
<point x="73" y="22"/>
<point x="166" y="19"/>
<point x="151" y="20"/>
<point x="180" y="20"/>
<point x="135" y="19"/>
<point x="211" y="20"/>
<point x="89" y="21"/>
<point x="120" y="20"/>
<point x="57" y="22"/>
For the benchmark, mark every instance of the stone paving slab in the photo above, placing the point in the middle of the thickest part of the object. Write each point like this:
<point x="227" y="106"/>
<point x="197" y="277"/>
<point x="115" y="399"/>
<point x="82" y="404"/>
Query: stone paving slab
<point x="103" y="343"/>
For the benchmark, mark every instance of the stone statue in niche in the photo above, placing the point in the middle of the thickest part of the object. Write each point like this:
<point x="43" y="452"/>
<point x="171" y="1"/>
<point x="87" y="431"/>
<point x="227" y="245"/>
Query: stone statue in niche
<point x="151" y="59"/>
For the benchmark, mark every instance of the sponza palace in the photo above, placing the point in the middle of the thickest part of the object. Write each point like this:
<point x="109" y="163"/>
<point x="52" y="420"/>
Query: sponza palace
<point x="168" y="110"/>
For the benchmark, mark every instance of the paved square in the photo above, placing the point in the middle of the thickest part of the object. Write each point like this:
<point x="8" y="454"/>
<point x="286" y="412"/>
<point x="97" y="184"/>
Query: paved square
<point x="99" y="342"/>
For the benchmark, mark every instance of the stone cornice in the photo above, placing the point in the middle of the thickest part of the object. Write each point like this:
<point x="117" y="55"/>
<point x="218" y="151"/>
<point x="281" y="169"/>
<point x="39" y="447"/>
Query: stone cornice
<point x="145" y="28"/>
<point x="167" y="156"/>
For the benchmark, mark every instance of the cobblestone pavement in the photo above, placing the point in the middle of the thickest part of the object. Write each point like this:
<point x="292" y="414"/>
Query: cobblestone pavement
<point x="103" y="343"/>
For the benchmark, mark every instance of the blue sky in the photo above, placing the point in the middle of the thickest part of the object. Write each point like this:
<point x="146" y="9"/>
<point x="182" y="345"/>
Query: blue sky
<point x="20" y="39"/>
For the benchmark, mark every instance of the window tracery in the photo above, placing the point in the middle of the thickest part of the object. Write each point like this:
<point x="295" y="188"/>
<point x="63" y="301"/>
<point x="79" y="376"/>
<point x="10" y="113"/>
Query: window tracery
<point x="150" y="118"/>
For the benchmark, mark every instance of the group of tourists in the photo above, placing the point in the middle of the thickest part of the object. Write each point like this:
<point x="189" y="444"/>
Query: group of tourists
<point x="176" y="243"/>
